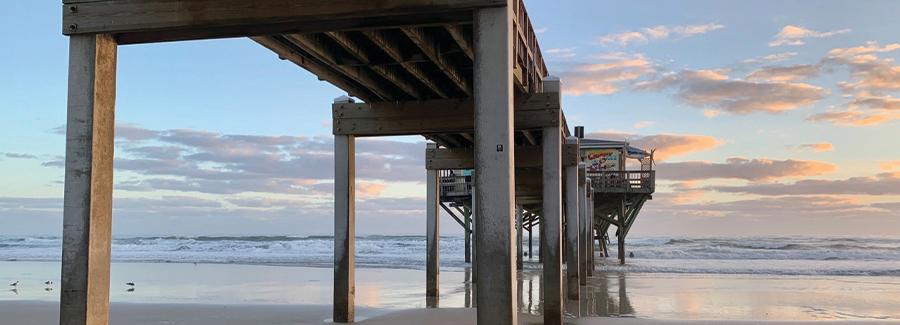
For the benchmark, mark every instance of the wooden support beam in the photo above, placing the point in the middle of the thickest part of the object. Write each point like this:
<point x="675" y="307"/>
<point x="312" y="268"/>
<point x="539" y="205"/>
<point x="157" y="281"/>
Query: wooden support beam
<point x="434" y="116"/>
<point x="390" y="47"/>
<point x="139" y="21"/>
<point x="344" y="228"/>
<point x="494" y="179"/>
<point x="286" y="50"/>
<point x="552" y="212"/>
<point x="87" y="208"/>
<point x="464" y="158"/>
<point x="433" y="235"/>
<point x="572" y="226"/>
<point x="464" y="42"/>
<point x="431" y="50"/>
<point x="529" y="137"/>
<point x="454" y="216"/>
<point x="313" y="43"/>
<point x="386" y="72"/>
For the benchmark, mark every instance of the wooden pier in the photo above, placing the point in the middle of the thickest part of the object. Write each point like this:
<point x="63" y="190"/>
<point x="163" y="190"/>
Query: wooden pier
<point x="466" y="74"/>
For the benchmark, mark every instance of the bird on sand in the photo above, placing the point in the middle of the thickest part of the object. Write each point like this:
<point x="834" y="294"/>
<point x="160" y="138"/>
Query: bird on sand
<point x="131" y="284"/>
<point x="14" y="284"/>
<point x="49" y="283"/>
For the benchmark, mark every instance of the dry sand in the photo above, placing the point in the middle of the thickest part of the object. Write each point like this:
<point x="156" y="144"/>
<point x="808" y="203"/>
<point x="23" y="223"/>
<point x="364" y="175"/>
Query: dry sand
<point x="43" y="313"/>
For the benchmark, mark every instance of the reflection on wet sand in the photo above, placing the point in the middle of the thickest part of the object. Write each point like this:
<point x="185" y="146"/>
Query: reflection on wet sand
<point x="604" y="295"/>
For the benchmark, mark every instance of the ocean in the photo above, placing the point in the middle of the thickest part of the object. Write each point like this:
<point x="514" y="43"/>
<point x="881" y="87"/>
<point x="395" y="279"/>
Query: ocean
<point x="873" y="256"/>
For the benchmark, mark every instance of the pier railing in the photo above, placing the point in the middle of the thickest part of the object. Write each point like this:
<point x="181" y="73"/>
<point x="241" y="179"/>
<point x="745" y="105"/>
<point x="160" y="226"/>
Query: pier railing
<point x="628" y="181"/>
<point x="455" y="185"/>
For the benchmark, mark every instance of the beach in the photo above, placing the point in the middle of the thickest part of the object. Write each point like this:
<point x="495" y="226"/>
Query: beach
<point x="187" y="293"/>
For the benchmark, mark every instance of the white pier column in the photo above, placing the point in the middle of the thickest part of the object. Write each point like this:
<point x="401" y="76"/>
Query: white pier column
<point x="87" y="209"/>
<point x="552" y="223"/>
<point x="432" y="216"/>
<point x="572" y="228"/>
<point x="344" y="227"/>
<point x="494" y="163"/>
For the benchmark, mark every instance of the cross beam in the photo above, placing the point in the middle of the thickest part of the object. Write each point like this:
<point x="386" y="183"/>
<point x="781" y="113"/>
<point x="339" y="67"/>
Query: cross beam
<point x="434" y="116"/>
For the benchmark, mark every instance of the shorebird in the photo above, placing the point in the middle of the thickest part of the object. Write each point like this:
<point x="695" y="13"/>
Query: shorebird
<point x="130" y="284"/>
<point x="49" y="283"/>
<point x="14" y="284"/>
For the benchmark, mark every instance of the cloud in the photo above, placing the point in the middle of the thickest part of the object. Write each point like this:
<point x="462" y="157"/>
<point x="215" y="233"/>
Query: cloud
<point x="605" y="75"/>
<point x="870" y="73"/>
<point x="854" y="117"/>
<point x="742" y="168"/>
<point x="13" y="155"/>
<point x="786" y="73"/>
<point x="771" y="58"/>
<point x="563" y="53"/>
<point x="880" y="184"/>
<point x="644" y="124"/>
<point x="817" y="147"/>
<point x="712" y="89"/>
<point x="666" y="145"/>
<point x="657" y="33"/>
<point x="199" y="161"/>
<point x="796" y="35"/>
<point x="890" y="165"/>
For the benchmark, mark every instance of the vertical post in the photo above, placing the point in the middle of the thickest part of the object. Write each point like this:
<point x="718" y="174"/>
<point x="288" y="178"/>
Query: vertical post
<point x="494" y="162"/>
<point x="552" y="224"/>
<point x="530" y="237"/>
<point x="344" y="227"/>
<point x="572" y="228"/>
<point x="87" y="209"/>
<point x="474" y="226"/>
<point x="519" y="261"/>
<point x="621" y="232"/>
<point x="467" y="213"/>
<point x="433" y="240"/>
<point x="591" y="230"/>
<point x="584" y="239"/>
<point x="541" y="238"/>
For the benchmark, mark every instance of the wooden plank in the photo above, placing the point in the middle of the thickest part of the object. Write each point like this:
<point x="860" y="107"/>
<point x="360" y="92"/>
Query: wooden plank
<point x="464" y="42"/>
<point x="260" y="16"/>
<point x="314" y="46"/>
<point x="88" y="190"/>
<point x="392" y="49"/>
<point x="385" y="72"/>
<point x="430" y="49"/>
<point x="464" y="158"/>
<point x="432" y="117"/>
<point x="285" y="51"/>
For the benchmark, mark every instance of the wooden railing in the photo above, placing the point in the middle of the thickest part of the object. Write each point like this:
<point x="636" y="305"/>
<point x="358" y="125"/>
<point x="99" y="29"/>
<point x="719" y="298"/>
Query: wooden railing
<point x="454" y="185"/>
<point x="530" y="65"/>
<point x="629" y="181"/>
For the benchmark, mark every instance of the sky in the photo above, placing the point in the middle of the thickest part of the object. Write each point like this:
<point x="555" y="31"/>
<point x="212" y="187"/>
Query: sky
<point x="768" y="117"/>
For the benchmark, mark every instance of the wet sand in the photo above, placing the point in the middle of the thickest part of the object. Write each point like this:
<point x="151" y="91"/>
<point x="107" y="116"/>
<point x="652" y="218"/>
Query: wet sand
<point x="253" y="294"/>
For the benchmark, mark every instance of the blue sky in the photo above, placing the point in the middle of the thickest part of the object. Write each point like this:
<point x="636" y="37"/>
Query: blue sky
<point x="811" y="138"/>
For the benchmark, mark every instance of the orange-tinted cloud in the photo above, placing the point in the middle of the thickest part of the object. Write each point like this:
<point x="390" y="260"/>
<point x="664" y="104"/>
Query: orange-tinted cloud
<point x="605" y="75"/>
<point x="890" y="165"/>
<point x="656" y="33"/>
<point x="796" y="35"/>
<point x="817" y="147"/>
<point x="786" y="73"/>
<point x="853" y="117"/>
<point x="743" y="168"/>
<point x="369" y="189"/>
<point x="666" y="145"/>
